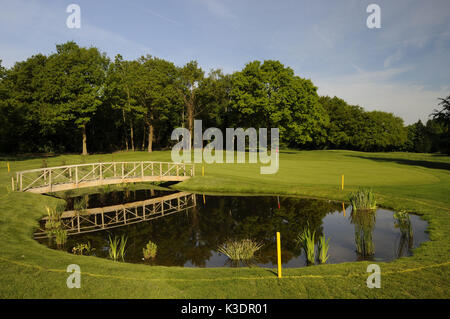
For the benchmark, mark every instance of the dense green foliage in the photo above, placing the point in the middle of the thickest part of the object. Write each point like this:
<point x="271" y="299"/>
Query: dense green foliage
<point x="78" y="100"/>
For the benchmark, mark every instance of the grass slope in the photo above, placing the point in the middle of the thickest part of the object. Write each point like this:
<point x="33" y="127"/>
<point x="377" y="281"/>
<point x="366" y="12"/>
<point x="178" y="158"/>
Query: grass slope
<point x="419" y="183"/>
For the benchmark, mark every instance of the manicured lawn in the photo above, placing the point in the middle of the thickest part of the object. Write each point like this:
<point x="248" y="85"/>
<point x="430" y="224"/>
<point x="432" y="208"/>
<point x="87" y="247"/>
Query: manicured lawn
<point x="419" y="183"/>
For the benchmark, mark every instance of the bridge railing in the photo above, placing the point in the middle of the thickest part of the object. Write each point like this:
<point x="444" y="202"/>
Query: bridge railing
<point x="82" y="175"/>
<point x="96" y="219"/>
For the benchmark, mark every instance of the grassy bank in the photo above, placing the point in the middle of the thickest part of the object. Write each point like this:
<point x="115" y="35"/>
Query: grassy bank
<point x="418" y="183"/>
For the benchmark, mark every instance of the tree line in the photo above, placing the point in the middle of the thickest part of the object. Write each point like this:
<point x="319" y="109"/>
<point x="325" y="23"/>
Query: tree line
<point x="78" y="100"/>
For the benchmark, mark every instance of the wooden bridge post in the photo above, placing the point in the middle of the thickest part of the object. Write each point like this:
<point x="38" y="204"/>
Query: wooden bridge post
<point x="50" y="178"/>
<point x="160" y="170"/>
<point x="101" y="174"/>
<point x="142" y="169"/>
<point x="76" y="176"/>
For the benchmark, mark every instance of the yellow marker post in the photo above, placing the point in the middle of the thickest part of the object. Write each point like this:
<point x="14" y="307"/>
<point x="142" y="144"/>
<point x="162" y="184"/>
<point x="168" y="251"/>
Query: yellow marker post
<point x="343" y="208"/>
<point x="279" y="254"/>
<point x="8" y="166"/>
<point x="203" y="170"/>
<point x="204" y="200"/>
<point x="342" y="181"/>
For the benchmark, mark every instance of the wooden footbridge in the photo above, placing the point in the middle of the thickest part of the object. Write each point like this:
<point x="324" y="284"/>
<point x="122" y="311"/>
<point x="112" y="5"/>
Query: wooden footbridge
<point x="95" y="219"/>
<point x="60" y="178"/>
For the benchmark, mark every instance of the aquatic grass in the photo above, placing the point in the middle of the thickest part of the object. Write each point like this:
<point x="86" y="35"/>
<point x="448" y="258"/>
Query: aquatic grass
<point x="53" y="225"/>
<point x="364" y="221"/>
<point x="150" y="250"/>
<point x="306" y="239"/>
<point x="323" y="247"/>
<point x="114" y="248"/>
<point x="240" y="250"/>
<point x="122" y="247"/>
<point x="60" y="237"/>
<point x="402" y="221"/>
<point x="80" y="205"/>
<point x="364" y="199"/>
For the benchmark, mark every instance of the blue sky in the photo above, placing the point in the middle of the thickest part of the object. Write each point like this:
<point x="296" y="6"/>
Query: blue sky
<point x="401" y="68"/>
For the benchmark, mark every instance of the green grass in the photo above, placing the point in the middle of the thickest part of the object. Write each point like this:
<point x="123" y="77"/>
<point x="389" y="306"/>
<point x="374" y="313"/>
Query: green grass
<point x="418" y="183"/>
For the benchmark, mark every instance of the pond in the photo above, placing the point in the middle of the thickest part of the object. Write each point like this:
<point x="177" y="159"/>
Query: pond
<point x="190" y="235"/>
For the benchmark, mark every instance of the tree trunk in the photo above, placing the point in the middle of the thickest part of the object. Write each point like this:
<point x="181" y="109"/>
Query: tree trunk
<point x="150" y="137"/>
<point x="150" y="132"/>
<point x="84" y="140"/>
<point x="132" y="135"/>
<point x="125" y="129"/>
<point x="143" y="138"/>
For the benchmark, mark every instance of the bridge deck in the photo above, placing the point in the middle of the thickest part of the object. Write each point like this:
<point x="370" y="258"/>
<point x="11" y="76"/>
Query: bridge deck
<point x="67" y="177"/>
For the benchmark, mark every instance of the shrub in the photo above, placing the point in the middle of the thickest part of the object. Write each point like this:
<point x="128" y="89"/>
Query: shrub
<point x="150" y="250"/>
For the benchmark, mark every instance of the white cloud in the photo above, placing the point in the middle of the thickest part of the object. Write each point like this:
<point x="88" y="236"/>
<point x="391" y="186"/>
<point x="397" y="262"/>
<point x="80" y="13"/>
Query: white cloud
<point x="374" y="91"/>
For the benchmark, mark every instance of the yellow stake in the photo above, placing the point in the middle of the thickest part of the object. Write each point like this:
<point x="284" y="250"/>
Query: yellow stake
<point x="8" y="166"/>
<point x="279" y="254"/>
<point x="204" y="200"/>
<point x="343" y="208"/>
<point x="203" y="170"/>
<point x="342" y="181"/>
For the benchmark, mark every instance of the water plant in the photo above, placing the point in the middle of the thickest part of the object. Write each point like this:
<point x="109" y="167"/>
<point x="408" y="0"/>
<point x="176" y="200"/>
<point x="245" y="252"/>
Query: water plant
<point x="54" y="226"/>
<point x="364" y="221"/>
<point x="80" y="205"/>
<point x="306" y="239"/>
<point x="403" y="222"/>
<point x="323" y="247"/>
<point x="117" y="247"/>
<point x="150" y="250"/>
<point x="363" y="199"/>
<point x="240" y="250"/>
<point x="60" y="237"/>
<point x="79" y="249"/>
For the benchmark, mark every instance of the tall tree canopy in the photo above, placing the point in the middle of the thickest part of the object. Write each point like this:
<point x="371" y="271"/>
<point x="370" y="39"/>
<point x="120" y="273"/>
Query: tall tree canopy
<point x="73" y="85"/>
<point x="76" y="98"/>
<point x="269" y="95"/>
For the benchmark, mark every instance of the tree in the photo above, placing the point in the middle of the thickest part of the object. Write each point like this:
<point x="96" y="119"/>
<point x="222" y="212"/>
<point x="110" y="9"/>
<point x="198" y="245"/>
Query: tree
<point x="73" y="84"/>
<point x="191" y="76"/>
<point x="270" y="95"/>
<point x="156" y="90"/>
<point x="121" y="91"/>
<point x="443" y="117"/>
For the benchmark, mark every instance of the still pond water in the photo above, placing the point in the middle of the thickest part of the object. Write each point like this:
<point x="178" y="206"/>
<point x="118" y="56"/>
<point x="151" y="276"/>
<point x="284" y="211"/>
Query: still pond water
<point x="190" y="237"/>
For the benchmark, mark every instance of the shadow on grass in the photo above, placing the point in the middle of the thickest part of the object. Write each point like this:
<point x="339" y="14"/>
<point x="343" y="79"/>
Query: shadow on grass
<point x="403" y="161"/>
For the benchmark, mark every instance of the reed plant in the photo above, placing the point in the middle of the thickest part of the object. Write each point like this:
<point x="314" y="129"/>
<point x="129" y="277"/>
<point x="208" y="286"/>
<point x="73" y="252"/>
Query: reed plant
<point x="53" y="225"/>
<point x="60" y="237"/>
<point x="363" y="199"/>
<point x="80" y="205"/>
<point x="306" y="239"/>
<point x="323" y="247"/>
<point x="150" y="250"/>
<point x="240" y="250"/>
<point x="117" y="247"/>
